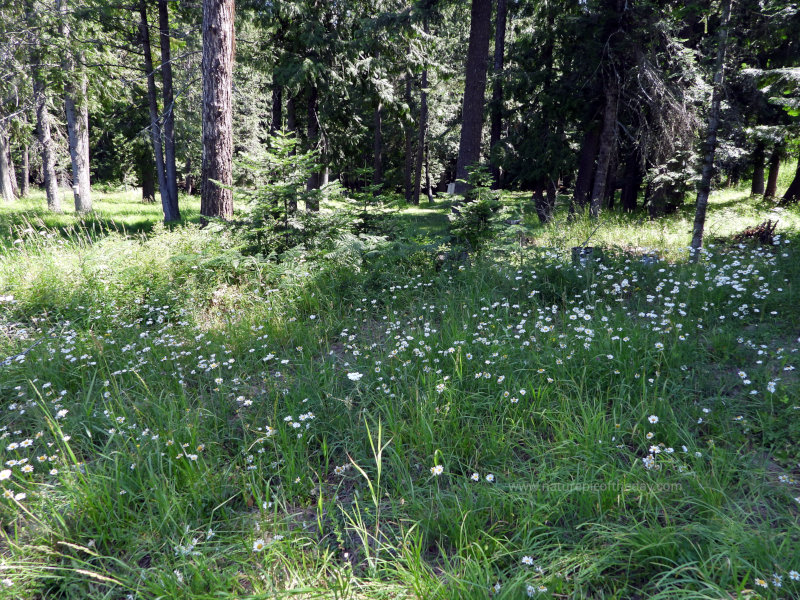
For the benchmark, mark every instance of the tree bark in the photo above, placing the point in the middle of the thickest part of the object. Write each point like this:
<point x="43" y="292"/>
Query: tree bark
<point x="291" y="126"/>
<point x="152" y="103"/>
<point x="409" y="158"/>
<point x="757" y="187"/>
<point x="6" y="191"/>
<point x="428" y="188"/>
<point x="377" y="147"/>
<point x="632" y="182"/>
<point x="147" y="178"/>
<point x="188" y="180"/>
<point x="423" y="130"/>
<point x="217" y="67"/>
<point x="469" y="151"/>
<point x="774" y="168"/>
<point x="26" y="172"/>
<point x="586" y="160"/>
<point x="277" y="109"/>
<point x="77" y="113"/>
<point x="312" y="129"/>
<point x="704" y="189"/>
<point x="496" y="128"/>
<point x="12" y="175"/>
<point x="46" y="144"/>
<point x="607" y="145"/>
<point x="170" y="172"/>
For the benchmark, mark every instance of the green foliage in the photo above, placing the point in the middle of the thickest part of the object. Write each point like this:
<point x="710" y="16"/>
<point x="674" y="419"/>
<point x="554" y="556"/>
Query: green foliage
<point x="475" y="223"/>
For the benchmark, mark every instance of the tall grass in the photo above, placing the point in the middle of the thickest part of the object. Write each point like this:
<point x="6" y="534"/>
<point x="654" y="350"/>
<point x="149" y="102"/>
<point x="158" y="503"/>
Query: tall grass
<point x="179" y="422"/>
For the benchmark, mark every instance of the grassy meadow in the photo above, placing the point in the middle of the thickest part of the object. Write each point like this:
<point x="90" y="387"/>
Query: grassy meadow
<point x="182" y="421"/>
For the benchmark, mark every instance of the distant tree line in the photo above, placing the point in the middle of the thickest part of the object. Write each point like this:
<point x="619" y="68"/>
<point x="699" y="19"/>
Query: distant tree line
<point x="610" y="103"/>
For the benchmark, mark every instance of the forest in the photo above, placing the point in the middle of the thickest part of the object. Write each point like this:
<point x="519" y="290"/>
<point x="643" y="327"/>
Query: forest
<point x="399" y="299"/>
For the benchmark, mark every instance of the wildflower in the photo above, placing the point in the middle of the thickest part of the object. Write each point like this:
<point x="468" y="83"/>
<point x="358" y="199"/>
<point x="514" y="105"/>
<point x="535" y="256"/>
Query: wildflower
<point x="760" y="582"/>
<point x="27" y="469"/>
<point x="527" y="560"/>
<point x="355" y="376"/>
<point x="437" y="470"/>
<point x="777" y="580"/>
<point x="490" y="478"/>
<point x="475" y="477"/>
<point x="5" y="474"/>
<point x="794" y="575"/>
<point x="258" y="545"/>
<point x="653" y="419"/>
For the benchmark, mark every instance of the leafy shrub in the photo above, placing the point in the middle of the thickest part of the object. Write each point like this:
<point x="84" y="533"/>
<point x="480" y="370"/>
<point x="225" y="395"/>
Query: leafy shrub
<point x="474" y="225"/>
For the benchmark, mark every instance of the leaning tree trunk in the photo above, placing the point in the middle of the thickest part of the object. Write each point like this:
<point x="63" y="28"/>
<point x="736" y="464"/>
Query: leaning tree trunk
<point x="77" y="113"/>
<point x="757" y="187"/>
<point x="12" y="175"/>
<point x="409" y="139"/>
<point x="496" y="128"/>
<point x="217" y="67"/>
<point x="469" y="150"/>
<point x="774" y="168"/>
<point x="607" y="145"/>
<point x="422" y="133"/>
<point x="6" y="190"/>
<point x="377" y="147"/>
<point x="586" y="159"/>
<point x="152" y="103"/>
<point x="170" y="172"/>
<point x="704" y="189"/>
<point x="792" y="194"/>
<point x="313" y="141"/>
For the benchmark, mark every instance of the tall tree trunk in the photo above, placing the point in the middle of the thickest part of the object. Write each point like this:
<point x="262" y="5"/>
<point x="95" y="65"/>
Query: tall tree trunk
<point x="409" y="159"/>
<point x="26" y="172"/>
<point x="170" y="172"/>
<point x="218" y="44"/>
<point x="6" y="190"/>
<point x="12" y="174"/>
<point x="793" y="192"/>
<point x="496" y="129"/>
<point x="428" y="188"/>
<point x="704" y="188"/>
<point x="46" y="144"/>
<point x="277" y="109"/>
<point x="188" y="180"/>
<point x="607" y="144"/>
<point x="774" y="168"/>
<point x="147" y="178"/>
<point x="77" y="113"/>
<point x="42" y="113"/>
<point x="377" y="147"/>
<point x="291" y="126"/>
<point x="469" y="150"/>
<point x="152" y="103"/>
<point x="423" y="130"/>
<point x="632" y="182"/>
<point x="313" y="142"/>
<point x="757" y="187"/>
<point x="586" y="160"/>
